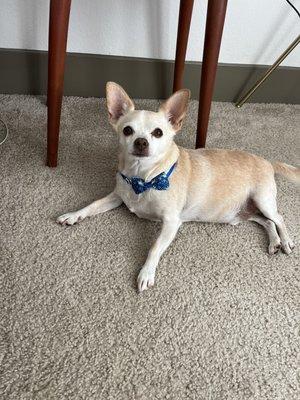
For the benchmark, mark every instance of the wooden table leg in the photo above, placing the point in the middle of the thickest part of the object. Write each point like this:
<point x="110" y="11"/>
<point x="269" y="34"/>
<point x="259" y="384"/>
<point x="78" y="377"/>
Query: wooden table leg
<point x="58" y="33"/>
<point x="184" y="22"/>
<point x="216" y="11"/>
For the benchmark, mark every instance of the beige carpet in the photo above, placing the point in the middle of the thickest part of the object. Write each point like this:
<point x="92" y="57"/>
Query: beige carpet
<point x="222" y="321"/>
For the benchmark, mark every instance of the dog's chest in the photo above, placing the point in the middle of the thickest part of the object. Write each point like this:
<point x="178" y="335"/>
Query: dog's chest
<point x="144" y="205"/>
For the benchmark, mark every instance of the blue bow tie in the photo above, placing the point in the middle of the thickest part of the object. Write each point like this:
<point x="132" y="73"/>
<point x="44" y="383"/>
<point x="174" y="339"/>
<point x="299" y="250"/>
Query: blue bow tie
<point x="159" y="182"/>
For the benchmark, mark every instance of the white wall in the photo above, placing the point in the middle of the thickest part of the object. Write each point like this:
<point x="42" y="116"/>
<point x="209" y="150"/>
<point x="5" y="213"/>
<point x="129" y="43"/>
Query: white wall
<point x="256" y="31"/>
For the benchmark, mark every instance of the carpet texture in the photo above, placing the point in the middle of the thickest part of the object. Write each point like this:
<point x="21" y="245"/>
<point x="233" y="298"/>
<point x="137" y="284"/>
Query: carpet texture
<point x="222" y="321"/>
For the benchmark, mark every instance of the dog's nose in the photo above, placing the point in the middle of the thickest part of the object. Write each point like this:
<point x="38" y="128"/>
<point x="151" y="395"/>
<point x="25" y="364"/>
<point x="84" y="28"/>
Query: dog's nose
<point x="141" y="144"/>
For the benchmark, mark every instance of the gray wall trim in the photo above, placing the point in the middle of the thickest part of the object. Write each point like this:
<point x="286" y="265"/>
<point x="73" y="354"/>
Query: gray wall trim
<point x="25" y="72"/>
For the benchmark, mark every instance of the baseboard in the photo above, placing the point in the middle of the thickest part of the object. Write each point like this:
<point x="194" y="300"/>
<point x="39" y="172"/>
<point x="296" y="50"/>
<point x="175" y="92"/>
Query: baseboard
<point x="25" y="72"/>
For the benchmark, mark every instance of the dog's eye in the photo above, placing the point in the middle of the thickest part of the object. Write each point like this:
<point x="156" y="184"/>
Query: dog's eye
<point x="128" y="131"/>
<point x="157" y="133"/>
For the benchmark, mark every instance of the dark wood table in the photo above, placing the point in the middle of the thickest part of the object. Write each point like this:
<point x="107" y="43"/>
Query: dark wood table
<point x="58" y="33"/>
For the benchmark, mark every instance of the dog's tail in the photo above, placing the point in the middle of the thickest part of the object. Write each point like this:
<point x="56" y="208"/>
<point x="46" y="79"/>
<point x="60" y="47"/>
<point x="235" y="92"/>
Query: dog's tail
<point x="288" y="171"/>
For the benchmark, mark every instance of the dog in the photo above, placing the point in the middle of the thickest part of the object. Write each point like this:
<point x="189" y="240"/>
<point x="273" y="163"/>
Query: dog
<point x="159" y="180"/>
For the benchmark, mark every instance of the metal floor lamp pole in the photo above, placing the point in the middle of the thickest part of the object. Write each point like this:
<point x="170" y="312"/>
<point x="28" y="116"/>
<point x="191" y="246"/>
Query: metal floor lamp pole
<point x="291" y="47"/>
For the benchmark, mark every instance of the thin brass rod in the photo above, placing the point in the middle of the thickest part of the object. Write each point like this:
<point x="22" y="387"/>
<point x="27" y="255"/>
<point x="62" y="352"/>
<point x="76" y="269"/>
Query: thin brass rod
<point x="240" y="102"/>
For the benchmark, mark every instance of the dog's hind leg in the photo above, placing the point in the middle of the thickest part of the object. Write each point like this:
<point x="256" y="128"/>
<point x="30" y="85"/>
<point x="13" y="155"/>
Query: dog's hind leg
<point x="270" y="228"/>
<point x="265" y="200"/>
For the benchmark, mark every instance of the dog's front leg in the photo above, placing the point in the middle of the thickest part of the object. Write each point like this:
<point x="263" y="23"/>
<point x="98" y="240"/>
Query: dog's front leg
<point x="168" y="233"/>
<point x="99" y="206"/>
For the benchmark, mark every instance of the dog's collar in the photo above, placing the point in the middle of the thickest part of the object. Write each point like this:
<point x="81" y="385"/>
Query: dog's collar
<point x="159" y="182"/>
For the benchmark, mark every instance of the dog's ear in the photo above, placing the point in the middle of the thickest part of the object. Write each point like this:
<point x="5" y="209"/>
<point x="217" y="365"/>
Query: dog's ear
<point x="175" y="108"/>
<point x="118" y="102"/>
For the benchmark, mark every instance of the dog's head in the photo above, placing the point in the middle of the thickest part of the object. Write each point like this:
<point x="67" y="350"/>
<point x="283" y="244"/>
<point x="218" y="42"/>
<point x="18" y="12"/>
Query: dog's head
<point x="145" y="133"/>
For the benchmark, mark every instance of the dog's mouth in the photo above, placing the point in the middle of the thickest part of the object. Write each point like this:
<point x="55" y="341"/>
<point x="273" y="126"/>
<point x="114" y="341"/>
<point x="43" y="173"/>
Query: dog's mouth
<point x="140" y="153"/>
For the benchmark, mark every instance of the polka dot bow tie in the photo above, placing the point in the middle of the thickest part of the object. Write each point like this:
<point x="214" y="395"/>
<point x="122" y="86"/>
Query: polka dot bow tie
<point x="159" y="182"/>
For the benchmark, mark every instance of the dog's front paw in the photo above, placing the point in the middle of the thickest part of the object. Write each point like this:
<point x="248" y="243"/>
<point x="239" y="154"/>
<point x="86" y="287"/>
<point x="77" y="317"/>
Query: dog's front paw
<point x="70" y="218"/>
<point x="287" y="246"/>
<point x="274" y="246"/>
<point x="145" y="279"/>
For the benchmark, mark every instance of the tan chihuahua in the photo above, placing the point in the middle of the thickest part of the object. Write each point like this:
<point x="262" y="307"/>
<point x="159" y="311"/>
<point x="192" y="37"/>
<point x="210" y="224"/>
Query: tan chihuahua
<point x="159" y="180"/>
